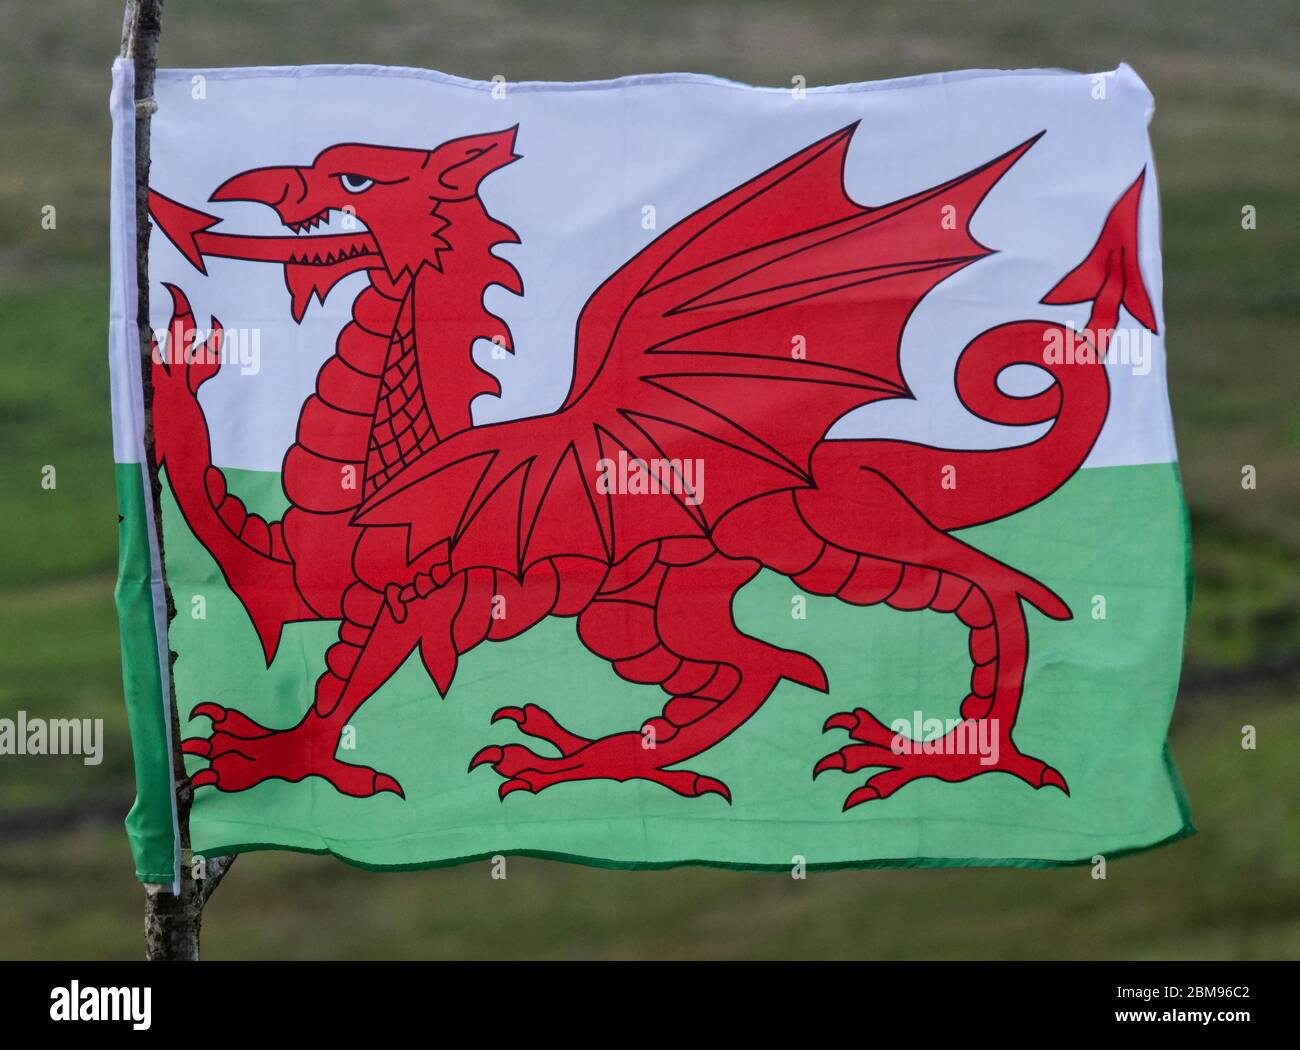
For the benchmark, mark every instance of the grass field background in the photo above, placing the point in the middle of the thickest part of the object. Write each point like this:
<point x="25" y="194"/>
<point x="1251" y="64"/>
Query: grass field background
<point x="1228" y="107"/>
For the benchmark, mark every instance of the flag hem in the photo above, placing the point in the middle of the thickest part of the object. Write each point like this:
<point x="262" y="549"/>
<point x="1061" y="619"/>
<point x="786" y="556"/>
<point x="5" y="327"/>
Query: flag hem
<point x="152" y="824"/>
<point x="635" y="80"/>
<point x="1185" y="831"/>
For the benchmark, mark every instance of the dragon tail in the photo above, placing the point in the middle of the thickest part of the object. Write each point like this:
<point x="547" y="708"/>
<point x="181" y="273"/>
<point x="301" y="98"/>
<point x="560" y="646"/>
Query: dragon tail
<point x="959" y="488"/>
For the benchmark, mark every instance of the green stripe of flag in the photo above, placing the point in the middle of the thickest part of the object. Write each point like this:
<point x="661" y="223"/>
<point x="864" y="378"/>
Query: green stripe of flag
<point x="149" y="825"/>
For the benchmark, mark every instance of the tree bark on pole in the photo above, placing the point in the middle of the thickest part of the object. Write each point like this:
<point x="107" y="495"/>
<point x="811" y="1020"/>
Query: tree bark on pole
<point x="171" y="921"/>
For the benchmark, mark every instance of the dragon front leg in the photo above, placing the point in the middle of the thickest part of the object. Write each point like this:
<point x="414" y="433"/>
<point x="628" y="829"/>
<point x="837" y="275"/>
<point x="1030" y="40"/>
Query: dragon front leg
<point x="250" y="551"/>
<point x="242" y="753"/>
<point x="666" y="624"/>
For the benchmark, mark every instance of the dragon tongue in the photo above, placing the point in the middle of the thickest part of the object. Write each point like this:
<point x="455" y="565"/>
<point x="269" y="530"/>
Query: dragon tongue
<point x="182" y="226"/>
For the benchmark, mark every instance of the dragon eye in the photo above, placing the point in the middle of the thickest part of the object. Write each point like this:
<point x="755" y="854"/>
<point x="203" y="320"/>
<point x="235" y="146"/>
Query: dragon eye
<point x="356" y="183"/>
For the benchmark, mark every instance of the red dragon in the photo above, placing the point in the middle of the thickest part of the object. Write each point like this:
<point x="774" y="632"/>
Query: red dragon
<point x="409" y="525"/>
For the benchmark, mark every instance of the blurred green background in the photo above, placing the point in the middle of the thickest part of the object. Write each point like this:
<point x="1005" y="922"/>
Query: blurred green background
<point x="1227" y="134"/>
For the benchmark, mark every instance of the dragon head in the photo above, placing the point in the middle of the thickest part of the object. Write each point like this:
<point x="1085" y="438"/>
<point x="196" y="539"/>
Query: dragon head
<point x="385" y="208"/>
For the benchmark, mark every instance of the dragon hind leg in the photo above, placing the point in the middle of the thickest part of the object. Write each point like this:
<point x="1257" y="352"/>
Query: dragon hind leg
<point x="671" y="625"/>
<point x="883" y="549"/>
<point x="979" y="743"/>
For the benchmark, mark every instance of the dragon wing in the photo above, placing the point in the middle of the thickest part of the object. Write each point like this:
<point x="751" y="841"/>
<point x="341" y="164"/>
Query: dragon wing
<point x="734" y="340"/>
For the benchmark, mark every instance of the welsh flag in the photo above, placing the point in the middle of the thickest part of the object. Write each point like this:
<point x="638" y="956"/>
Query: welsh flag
<point x="650" y="471"/>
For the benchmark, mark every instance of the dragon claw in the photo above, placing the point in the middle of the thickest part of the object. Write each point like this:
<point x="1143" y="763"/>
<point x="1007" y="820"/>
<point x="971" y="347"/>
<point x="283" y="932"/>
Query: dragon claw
<point x="229" y="722"/>
<point x="866" y="793"/>
<point x="180" y="304"/>
<point x="208" y="709"/>
<point x="901" y="761"/>
<point x="842" y="720"/>
<point x="619" y="757"/>
<point x="242" y="753"/>
<point x="832" y="761"/>
<point x="711" y="786"/>
<point x="383" y="782"/>
<point x="513" y="785"/>
<point x="537" y="722"/>
<point x="491" y="754"/>
<point x="204" y="777"/>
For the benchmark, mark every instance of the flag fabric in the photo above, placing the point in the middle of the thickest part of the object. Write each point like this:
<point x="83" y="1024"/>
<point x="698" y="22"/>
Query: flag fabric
<point x="650" y="471"/>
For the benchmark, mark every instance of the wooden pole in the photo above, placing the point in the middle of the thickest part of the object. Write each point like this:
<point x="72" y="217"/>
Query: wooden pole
<point x="171" y="921"/>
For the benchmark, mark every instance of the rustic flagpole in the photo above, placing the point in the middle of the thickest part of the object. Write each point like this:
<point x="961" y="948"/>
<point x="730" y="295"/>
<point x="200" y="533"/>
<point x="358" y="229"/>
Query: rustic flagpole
<point x="171" y="921"/>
